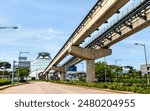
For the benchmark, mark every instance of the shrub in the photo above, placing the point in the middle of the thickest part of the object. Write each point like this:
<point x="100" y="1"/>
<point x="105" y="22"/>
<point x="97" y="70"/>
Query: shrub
<point x="4" y="82"/>
<point x="136" y="88"/>
<point x="99" y="85"/>
<point x="128" y="88"/>
<point x="121" y="87"/>
<point x="112" y="86"/>
<point x="104" y="85"/>
<point x="92" y="84"/>
<point x="140" y="90"/>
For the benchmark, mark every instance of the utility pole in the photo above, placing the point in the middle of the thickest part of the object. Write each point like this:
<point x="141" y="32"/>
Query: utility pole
<point x="3" y="69"/>
<point x="116" y="60"/>
<point x="139" y="44"/>
<point x="105" y="70"/>
<point x="13" y="72"/>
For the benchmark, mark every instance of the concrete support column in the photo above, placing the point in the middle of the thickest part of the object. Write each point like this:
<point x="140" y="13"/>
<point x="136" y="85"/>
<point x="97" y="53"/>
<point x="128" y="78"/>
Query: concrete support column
<point x="46" y="76"/>
<point x="62" y="71"/>
<point x="62" y="74"/>
<point x="90" y="70"/>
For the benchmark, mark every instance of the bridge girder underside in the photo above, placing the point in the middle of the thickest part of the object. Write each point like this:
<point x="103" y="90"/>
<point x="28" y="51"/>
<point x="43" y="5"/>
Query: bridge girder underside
<point x="98" y="15"/>
<point x="136" y="20"/>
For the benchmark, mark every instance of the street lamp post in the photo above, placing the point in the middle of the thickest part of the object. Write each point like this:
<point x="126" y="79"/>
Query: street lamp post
<point x="105" y="70"/>
<point x="116" y="60"/>
<point x="20" y="55"/>
<point x="82" y="67"/>
<point x="145" y="59"/>
<point x="12" y="78"/>
<point x="3" y="69"/>
<point x="10" y="27"/>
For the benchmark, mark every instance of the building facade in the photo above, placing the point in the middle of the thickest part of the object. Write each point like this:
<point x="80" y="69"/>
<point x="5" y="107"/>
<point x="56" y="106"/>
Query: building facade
<point x="144" y="70"/>
<point x="38" y="65"/>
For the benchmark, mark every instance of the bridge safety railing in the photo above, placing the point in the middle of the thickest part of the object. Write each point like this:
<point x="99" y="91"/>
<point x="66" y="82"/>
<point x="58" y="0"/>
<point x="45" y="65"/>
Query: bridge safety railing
<point x="124" y="16"/>
<point x="115" y="22"/>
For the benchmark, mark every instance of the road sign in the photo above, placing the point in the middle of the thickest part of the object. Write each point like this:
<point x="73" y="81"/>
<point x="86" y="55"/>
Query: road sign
<point x="24" y="64"/>
<point x="22" y="58"/>
<point x="72" y="68"/>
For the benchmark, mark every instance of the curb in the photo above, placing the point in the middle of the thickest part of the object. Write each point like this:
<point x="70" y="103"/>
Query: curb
<point x="8" y="86"/>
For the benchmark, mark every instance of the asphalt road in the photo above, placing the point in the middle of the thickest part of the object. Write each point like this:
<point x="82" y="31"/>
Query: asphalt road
<point x="52" y="88"/>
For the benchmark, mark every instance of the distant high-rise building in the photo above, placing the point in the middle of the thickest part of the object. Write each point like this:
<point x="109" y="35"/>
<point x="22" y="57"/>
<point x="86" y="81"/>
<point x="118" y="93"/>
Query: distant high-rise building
<point x="144" y="70"/>
<point x="38" y="65"/>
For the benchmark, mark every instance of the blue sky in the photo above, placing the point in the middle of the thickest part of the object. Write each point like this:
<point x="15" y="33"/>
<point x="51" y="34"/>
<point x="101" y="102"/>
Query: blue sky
<point x="45" y="25"/>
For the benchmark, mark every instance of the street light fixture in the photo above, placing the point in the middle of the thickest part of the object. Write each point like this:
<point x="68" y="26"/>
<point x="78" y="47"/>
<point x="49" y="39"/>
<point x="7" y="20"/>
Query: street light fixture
<point x="139" y="44"/>
<point x="10" y="27"/>
<point x="20" y="55"/>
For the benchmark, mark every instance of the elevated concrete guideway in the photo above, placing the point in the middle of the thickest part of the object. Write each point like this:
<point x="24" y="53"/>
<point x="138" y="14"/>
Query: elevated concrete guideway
<point x="99" y="14"/>
<point x="134" y="21"/>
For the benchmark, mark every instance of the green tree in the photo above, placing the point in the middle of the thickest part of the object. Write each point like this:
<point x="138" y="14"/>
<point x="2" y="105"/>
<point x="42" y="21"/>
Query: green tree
<point x="5" y="65"/>
<point x="100" y="69"/>
<point x="5" y="73"/>
<point x="23" y="72"/>
<point x="132" y="73"/>
<point x="112" y="71"/>
<point x="131" y="69"/>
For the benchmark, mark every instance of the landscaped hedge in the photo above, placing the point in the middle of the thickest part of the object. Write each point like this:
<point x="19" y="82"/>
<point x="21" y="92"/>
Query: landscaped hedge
<point x="134" y="81"/>
<point x="4" y="82"/>
<point x="113" y="86"/>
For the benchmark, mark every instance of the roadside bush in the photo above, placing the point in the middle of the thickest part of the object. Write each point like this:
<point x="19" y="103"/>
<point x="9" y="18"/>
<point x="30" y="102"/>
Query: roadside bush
<point x="146" y="91"/>
<point x="140" y="90"/>
<point x="104" y="85"/>
<point x="91" y="84"/>
<point x="127" y="88"/>
<point x="113" y="87"/>
<point x="121" y="87"/>
<point x="4" y="82"/>
<point x="130" y="82"/>
<point x="136" y="88"/>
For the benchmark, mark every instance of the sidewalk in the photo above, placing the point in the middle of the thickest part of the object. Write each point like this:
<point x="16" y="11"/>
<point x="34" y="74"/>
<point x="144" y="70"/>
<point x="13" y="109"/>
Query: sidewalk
<point x="11" y="85"/>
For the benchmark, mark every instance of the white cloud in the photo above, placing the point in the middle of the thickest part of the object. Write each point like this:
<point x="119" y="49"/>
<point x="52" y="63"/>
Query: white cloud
<point x="4" y="20"/>
<point x="32" y="40"/>
<point x="34" y="35"/>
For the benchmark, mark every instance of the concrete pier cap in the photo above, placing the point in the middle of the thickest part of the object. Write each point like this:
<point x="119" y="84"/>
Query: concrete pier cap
<point x="89" y="55"/>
